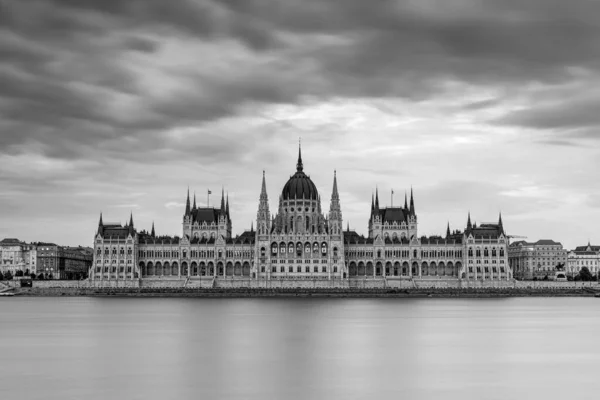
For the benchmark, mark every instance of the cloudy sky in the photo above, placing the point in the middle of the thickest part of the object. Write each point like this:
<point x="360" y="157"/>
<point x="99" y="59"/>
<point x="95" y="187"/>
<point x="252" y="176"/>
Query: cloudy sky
<point x="119" y="106"/>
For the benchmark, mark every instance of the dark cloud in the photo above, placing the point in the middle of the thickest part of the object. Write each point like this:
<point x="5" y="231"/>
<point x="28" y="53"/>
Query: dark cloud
<point x="65" y="63"/>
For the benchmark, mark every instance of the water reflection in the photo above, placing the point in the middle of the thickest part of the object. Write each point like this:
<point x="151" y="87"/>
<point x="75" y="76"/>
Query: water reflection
<point x="98" y="348"/>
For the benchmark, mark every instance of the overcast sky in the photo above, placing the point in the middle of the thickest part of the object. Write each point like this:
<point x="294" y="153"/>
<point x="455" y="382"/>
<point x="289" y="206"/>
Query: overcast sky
<point x="119" y="106"/>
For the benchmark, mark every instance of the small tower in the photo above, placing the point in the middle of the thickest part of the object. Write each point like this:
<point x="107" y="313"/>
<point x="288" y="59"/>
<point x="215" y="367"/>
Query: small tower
<point x="263" y="219"/>
<point x="335" y="210"/>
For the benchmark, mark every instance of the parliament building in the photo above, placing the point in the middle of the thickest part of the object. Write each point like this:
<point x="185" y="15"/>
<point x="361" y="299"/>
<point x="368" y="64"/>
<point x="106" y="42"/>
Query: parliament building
<point x="300" y="242"/>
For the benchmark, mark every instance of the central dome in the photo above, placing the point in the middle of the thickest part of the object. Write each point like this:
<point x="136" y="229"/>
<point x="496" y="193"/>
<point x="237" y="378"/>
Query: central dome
<point x="300" y="186"/>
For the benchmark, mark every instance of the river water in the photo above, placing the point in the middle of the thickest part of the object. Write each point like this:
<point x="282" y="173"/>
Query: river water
<point x="177" y="348"/>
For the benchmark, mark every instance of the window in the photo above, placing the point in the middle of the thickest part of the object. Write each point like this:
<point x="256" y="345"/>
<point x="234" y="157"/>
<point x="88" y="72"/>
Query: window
<point x="316" y="269"/>
<point x="307" y="269"/>
<point x="324" y="269"/>
<point x="274" y="269"/>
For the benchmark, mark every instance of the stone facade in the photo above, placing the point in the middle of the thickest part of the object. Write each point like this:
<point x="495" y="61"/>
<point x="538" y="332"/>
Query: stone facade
<point x="544" y="259"/>
<point x="583" y="256"/>
<point x="17" y="256"/>
<point x="300" y="242"/>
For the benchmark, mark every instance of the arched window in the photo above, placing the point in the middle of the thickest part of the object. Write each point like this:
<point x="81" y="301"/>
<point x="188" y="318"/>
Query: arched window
<point x="291" y="248"/>
<point x="292" y="224"/>
<point x="501" y="251"/>
<point x="299" y="249"/>
<point x="274" y="249"/>
<point x="324" y="248"/>
<point x="378" y="253"/>
<point x="262" y="252"/>
<point x="478" y="252"/>
<point x="316" y="248"/>
<point x="307" y="224"/>
<point x="335" y="251"/>
<point x="415" y="253"/>
<point x="470" y="252"/>
<point x="486" y="252"/>
<point x="307" y="247"/>
<point x="493" y="252"/>
<point x="282" y="247"/>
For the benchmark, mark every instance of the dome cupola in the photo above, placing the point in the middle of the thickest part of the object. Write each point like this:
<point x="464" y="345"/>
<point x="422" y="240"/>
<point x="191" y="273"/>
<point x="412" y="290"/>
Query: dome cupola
<point x="300" y="186"/>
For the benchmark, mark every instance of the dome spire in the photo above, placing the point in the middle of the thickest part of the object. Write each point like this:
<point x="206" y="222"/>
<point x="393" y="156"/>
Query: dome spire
<point x="299" y="166"/>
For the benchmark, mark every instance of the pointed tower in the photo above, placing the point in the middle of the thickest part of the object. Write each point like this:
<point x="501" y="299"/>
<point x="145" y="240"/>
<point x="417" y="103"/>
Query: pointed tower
<point x="377" y="200"/>
<point x="448" y="230"/>
<point x="152" y="233"/>
<point x="405" y="201"/>
<point x="187" y="203"/>
<point x="130" y="226"/>
<point x="500" y="224"/>
<point x="412" y="204"/>
<point x="263" y="216"/>
<point x="194" y="208"/>
<point x="335" y="210"/>
<point x="222" y="201"/>
<point x="227" y="206"/>
<point x="469" y="225"/>
<point x="100" y="226"/>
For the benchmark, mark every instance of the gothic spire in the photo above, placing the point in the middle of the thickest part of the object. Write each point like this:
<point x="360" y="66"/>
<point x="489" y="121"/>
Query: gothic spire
<point x="194" y="207"/>
<point x="131" y="219"/>
<point x="405" y="201"/>
<point x="334" y="194"/>
<point x="412" y="202"/>
<point x="376" y="198"/>
<point x="299" y="165"/>
<point x="251" y="226"/>
<point x="222" y="200"/>
<point x="100" y="223"/>
<point x="187" y="203"/>
<point x="448" y="230"/>
<point x="469" y="225"/>
<point x="348" y="226"/>
<point x="500" y="225"/>
<point x="263" y="189"/>
<point x="153" y="234"/>
<point x="372" y="203"/>
<point x="227" y="206"/>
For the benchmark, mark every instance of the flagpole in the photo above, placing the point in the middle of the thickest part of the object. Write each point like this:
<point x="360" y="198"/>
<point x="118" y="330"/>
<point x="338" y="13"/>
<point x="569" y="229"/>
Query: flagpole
<point x="392" y="196"/>
<point x="207" y="198"/>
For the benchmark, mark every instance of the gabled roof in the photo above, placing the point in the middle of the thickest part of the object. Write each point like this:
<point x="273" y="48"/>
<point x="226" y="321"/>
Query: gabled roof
<point x="585" y="248"/>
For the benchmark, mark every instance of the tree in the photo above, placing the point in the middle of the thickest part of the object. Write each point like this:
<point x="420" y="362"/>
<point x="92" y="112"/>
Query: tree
<point x="41" y="276"/>
<point x="18" y="273"/>
<point x="8" y="276"/>
<point x="585" y="273"/>
<point x="1" y="276"/>
<point x="32" y="275"/>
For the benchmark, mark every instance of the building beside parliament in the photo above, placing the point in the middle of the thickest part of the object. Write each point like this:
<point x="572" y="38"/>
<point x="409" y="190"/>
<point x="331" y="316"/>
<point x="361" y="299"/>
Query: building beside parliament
<point x="300" y="242"/>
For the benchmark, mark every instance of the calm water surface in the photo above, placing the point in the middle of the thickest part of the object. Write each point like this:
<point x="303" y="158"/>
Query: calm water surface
<point x="146" y="348"/>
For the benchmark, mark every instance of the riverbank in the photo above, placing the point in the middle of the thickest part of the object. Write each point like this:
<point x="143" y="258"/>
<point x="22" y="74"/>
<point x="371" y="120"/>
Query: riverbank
<point x="316" y="292"/>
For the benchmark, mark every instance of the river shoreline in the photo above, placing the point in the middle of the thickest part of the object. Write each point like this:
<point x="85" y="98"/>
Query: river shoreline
<point x="342" y="293"/>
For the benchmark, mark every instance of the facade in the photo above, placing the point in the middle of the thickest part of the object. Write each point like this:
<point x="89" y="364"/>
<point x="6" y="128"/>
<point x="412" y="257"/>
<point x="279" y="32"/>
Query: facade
<point x="583" y="256"/>
<point x="17" y="256"/>
<point x="300" y="242"/>
<point x="544" y="259"/>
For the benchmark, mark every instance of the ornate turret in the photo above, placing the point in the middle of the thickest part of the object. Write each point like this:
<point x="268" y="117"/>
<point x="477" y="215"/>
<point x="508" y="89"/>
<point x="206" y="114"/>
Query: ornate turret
<point x="500" y="225"/>
<point x="227" y="207"/>
<point x="412" y="204"/>
<point x="130" y="226"/>
<point x="469" y="225"/>
<point x="194" y="208"/>
<point x="448" y="230"/>
<point x="335" y="210"/>
<point x="263" y="216"/>
<point x="152" y="233"/>
<point x="405" y="201"/>
<point x="222" y="201"/>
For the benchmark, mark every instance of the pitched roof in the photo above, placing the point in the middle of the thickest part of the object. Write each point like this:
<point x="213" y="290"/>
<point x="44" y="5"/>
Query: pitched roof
<point x="206" y="214"/>
<point x="393" y="214"/>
